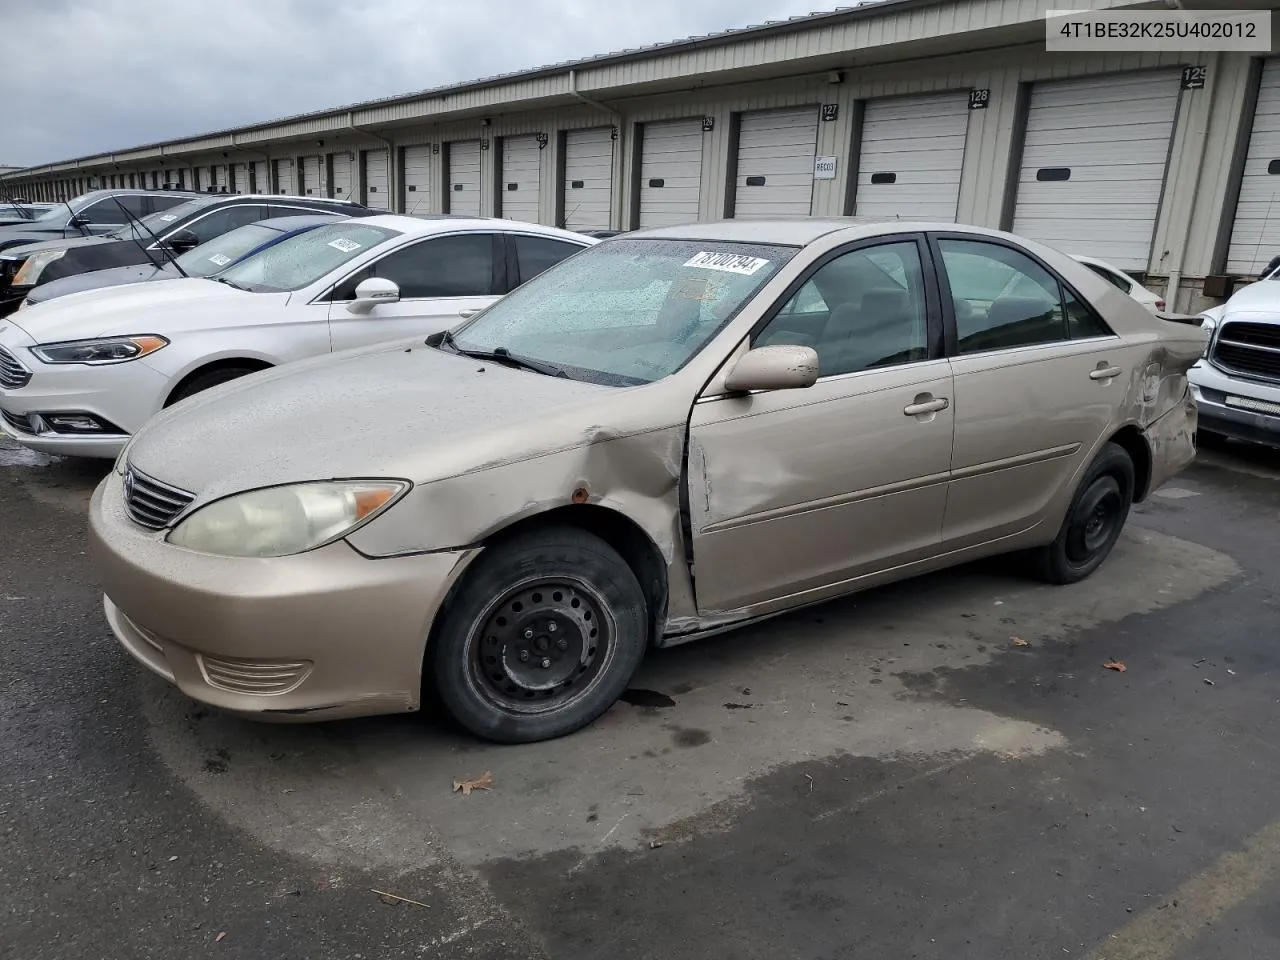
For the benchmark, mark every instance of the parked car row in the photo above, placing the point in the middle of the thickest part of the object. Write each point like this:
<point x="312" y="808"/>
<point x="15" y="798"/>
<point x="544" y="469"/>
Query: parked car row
<point x="492" y="463"/>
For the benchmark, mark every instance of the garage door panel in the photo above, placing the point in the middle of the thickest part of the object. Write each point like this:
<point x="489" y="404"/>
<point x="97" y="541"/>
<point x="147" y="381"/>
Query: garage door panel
<point x="464" y="177"/>
<point x="670" y="172"/>
<point x="1255" y="230"/>
<point x="377" y="183"/>
<point x="588" y="178"/>
<point x="776" y="151"/>
<point x="911" y="155"/>
<point x="1112" y="133"/>
<point x="417" y="179"/>
<point x="521" y="179"/>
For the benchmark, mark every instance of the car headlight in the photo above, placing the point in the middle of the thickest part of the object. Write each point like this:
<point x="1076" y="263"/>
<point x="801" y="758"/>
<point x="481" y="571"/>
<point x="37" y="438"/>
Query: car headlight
<point x="1209" y="325"/>
<point x="101" y="350"/>
<point x="34" y="265"/>
<point x="281" y="521"/>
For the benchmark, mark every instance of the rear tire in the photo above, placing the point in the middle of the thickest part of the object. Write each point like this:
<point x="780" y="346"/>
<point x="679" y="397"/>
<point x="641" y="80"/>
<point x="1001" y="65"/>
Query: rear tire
<point x="542" y="637"/>
<point x="1094" y="520"/>
<point x="210" y="378"/>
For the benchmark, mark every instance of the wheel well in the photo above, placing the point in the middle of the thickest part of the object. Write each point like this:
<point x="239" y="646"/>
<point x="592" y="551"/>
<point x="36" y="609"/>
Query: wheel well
<point x="1134" y="444"/>
<point x="621" y="533"/>
<point x="232" y="363"/>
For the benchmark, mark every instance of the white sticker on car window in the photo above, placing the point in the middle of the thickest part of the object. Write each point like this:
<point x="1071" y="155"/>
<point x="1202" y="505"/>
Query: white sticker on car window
<point x="221" y="259"/>
<point x="728" y="262"/>
<point x="345" y="245"/>
<point x="168" y="217"/>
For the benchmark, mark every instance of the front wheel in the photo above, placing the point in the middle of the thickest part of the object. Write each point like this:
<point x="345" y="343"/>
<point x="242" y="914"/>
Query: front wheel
<point x="542" y="637"/>
<point x="1093" y="522"/>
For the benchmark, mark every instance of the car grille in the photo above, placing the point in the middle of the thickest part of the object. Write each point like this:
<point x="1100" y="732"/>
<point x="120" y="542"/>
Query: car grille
<point x="1251" y="349"/>
<point x="262" y="677"/>
<point x="21" y="424"/>
<point x="151" y="503"/>
<point x="12" y="373"/>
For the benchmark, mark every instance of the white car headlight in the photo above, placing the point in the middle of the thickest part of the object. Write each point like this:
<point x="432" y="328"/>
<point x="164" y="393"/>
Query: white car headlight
<point x="281" y="521"/>
<point x="101" y="350"/>
<point x="34" y="265"/>
<point x="1209" y="325"/>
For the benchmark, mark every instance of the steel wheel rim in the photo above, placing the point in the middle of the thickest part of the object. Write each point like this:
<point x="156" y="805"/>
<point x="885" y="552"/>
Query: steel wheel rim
<point x="540" y="646"/>
<point x="1095" y="521"/>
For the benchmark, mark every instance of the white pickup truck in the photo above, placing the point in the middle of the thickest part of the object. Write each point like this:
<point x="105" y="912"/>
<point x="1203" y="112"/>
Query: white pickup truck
<point x="1237" y="382"/>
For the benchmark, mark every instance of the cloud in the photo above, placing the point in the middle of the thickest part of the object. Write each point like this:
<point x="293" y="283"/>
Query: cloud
<point x="101" y="75"/>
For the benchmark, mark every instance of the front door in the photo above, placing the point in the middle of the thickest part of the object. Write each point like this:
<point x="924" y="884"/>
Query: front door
<point x="794" y="494"/>
<point x="441" y="281"/>
<point x="1037" y="378"/>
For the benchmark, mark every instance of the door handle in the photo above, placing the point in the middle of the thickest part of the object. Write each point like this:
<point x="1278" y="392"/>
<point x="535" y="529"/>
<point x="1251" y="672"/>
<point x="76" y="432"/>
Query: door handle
<point x="1105" y="373"/>
<point x="468" y="314"/>
<point x="921" y="407"/>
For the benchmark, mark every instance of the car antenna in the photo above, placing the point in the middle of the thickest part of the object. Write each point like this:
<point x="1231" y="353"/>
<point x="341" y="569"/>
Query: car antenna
<point x="132" y="219"/>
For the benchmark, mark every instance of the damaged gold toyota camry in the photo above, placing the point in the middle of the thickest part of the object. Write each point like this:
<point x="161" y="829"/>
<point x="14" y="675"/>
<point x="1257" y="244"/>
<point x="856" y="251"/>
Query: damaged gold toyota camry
<point x="673" y="432"/>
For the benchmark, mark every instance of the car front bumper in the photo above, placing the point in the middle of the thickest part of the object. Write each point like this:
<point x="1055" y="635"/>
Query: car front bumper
<point x="1234" y="407"/>
<point x="325" y="634"/>
<point x="122" y="397"/>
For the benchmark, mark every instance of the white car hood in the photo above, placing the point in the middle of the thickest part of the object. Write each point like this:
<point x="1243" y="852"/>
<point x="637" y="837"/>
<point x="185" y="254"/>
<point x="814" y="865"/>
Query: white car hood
<point x="1260" y="300"/>
<point x="160" y="308"/>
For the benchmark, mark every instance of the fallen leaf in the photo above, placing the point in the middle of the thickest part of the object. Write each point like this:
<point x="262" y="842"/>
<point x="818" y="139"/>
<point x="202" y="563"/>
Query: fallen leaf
<point x="1208" y="681"/>
<point x="1116" y="665"/>
<point x="1019" y="642"/>
<point x="482" y="782"/>
<point x="219" y="937"/>
<point x="391" y="899"/>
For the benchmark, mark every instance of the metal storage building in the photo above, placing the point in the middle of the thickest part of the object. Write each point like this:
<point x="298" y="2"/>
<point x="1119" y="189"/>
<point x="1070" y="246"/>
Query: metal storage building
<point x="1167" y="164"/>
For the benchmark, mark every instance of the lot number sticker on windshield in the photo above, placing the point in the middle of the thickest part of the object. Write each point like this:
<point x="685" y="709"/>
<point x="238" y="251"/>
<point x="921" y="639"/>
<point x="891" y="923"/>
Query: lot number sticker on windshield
<point x="221" y="259"/>
<point x="345" y="245"/>
<point x="728" y="262"/>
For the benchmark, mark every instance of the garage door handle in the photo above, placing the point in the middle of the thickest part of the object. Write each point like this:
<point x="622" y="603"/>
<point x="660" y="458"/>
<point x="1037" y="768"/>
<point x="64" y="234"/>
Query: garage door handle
<point x="1105" y="373"/>
<point x="926" y="406"/>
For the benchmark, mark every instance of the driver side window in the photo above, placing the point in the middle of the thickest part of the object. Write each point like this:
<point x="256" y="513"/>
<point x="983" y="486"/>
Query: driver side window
<point x="860" y="311"/>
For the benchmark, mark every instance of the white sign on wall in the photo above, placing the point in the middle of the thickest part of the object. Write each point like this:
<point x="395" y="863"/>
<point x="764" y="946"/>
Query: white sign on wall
<point x="824" y="168"/>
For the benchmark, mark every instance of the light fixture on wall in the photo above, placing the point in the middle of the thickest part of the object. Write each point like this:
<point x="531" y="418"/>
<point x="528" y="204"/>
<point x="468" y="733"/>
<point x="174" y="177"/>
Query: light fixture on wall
<point x="835" y="76"/>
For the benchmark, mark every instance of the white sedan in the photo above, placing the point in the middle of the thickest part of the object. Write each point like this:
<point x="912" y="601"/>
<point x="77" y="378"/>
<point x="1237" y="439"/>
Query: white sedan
<point x="1123" y="282"/>
<point x="80" y="374"/>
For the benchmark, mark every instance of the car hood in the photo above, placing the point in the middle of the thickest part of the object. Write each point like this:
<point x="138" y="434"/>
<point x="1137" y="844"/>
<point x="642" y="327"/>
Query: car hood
<point x="41" y="243"/>
<point x="402" y="410"/>
<point x="1261" y="300"/>
<point x="99" y="279"/>
<point x="136" y="308"/>
<point x="24" y="235"/>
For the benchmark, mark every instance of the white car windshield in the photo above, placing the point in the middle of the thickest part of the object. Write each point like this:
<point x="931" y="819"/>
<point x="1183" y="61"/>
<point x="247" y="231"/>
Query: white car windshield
<point x="218" y="253"/>
<point x="303" y="259"/>
<point x="625" y="312"/>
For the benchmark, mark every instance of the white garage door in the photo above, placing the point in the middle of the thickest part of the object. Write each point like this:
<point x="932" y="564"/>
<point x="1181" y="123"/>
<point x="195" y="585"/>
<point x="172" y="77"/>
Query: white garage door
<point x="377" y="188"/>
<point x="417" y="179"/>
<point x="911" y="155"/>
<point x="588" y="178"/>
<point x="310" y="185"/>
<point x="1255" y="234"/>
<point x="521" y="169"/>
<point x="463" y="166"/>
<point x="257" y="177"/>
<point x="342" y="182"/>
<point x="1093" y="164"/>
<point x="239" y="178"/>
<point x="670" y="172"/>
<point x="776" y="149"/>
<point x="285" y="182"/>
<point x="220" y="178"/>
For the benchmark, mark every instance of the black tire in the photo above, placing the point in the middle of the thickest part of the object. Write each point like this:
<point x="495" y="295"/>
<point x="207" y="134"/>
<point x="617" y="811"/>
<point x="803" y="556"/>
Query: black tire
<point x="1094" y="520"/>
<point x="565" y="602"/>
<point x="210" y="378"/>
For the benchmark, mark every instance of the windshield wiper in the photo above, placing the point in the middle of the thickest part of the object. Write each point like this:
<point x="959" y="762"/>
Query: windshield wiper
<point x="503" y="355"/>
<point x="229" y="283"/>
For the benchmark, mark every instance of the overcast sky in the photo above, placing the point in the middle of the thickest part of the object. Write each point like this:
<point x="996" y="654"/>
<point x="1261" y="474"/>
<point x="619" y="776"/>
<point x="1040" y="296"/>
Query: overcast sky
<point x="100" y="75"/>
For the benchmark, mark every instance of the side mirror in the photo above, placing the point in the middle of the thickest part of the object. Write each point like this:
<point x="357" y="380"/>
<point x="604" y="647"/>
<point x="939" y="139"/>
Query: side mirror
<point x="371" y="292"/>
<point x="180" y="241"/>
<point x="780" y="367"/>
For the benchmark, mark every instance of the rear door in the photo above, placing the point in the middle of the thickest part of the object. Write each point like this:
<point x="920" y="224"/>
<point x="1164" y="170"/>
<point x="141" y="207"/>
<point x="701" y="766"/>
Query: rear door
<point x="1038" y="376"/>
<point x="440" y="280"/>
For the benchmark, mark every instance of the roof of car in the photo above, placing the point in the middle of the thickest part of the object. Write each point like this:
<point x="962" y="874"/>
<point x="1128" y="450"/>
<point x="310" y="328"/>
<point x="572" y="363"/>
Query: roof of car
<point x="428" y="224"/>
<point x="797" y="232"/>
<point x="286" y="224"/>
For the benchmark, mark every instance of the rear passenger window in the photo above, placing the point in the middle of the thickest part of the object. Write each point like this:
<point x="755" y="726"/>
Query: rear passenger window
<point x="1002" y="298"/>
<point x="862" y="310"/>
<point x="535" y="254"/>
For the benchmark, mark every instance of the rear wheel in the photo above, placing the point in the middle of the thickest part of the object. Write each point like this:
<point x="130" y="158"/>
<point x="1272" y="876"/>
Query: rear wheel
<point x="209" y="378"/>
<point x="1094" y="520"/>
<point x="541" y="639"/>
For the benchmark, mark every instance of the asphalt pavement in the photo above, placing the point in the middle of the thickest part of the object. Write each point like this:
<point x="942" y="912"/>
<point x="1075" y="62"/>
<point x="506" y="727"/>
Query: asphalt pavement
<point x="945" y="768"/>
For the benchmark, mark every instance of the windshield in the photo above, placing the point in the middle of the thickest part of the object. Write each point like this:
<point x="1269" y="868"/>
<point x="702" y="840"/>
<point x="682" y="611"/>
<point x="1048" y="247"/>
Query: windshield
<point x="303" y="259"/>
<point x="59" y="211"/>
<point x="209" y="258"/>
<point x="626" y="311"/>
<point x="157" y="223"/>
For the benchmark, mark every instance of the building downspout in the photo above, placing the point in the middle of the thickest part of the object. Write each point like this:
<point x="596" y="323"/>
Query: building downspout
<point x="393" y="180"/>
<point x="619" y="152"/>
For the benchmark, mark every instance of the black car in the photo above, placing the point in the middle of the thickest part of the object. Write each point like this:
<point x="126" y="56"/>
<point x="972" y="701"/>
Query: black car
<point x="88" y="215"/>
<point x="22" y="212"/>
<point x="199" y="219"/>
